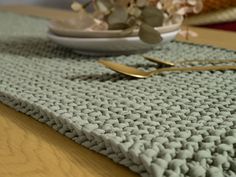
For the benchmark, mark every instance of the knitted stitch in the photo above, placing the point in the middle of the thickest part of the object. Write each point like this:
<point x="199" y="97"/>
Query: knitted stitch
<point x="172" y="124"/>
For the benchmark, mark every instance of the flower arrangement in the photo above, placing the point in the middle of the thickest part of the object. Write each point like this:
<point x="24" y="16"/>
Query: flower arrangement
<point x="127" y="15"/>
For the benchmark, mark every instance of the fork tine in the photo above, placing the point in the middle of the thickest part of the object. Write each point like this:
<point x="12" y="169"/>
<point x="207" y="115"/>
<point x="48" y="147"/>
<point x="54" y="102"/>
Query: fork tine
<point x="160" y="62"/>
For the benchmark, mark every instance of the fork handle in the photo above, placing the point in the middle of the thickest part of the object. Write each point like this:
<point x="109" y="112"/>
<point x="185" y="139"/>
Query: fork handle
<point x="215" y="61"/>
<point x="195" y="68"/>
<point x="168" y="63"/>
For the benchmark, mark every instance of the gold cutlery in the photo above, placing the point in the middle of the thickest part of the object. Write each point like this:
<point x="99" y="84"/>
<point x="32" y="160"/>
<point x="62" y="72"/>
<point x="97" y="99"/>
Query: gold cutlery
<point x="160" y="62"/>
<point x="137" y="73"/>
<point x="171" y="64"/>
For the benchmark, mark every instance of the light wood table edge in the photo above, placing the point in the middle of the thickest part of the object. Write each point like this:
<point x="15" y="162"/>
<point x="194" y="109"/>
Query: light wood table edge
<point x="31" y="148"/>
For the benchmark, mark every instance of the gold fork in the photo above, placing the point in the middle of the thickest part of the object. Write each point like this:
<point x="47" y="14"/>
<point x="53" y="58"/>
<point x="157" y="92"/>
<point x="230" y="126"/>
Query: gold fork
<point x="171" y="64"/>
<point x="137" y="73"/>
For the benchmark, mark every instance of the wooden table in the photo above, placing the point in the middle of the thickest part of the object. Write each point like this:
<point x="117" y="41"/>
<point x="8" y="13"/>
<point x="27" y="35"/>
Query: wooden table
<point x="31" y="149"/>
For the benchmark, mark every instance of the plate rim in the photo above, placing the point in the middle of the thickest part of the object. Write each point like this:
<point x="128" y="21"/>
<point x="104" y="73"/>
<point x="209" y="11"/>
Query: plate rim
<point x="69" y="32"/>
<point x="49" y="33"/>
<point x="78" y="45"/>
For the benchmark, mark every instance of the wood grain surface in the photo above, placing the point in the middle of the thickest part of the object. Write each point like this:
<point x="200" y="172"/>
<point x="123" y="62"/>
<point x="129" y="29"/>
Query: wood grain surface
<point x="32" y="149"/>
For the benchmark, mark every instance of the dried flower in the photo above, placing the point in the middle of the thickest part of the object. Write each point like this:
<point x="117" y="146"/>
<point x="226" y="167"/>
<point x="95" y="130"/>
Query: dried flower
<point x="175" y="10"/>
<point x="143" y="14"/>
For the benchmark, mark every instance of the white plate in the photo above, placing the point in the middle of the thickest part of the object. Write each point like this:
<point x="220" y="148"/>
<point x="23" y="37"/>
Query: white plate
<point x="108" y="46"/>
<point x="68" y="29"/>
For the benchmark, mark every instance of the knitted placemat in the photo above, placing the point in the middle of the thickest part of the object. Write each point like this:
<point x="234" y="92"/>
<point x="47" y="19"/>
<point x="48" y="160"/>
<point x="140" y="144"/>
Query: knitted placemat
<point x="173" y="124"/>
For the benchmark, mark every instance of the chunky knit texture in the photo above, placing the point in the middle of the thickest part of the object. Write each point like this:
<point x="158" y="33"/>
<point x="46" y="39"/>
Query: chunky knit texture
<point x="173" y="124"/>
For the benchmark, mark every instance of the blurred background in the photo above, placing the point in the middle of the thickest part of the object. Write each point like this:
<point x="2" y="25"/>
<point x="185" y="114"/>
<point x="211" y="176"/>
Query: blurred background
<point x="65" y="4"/>
<point x="219" y="14"/>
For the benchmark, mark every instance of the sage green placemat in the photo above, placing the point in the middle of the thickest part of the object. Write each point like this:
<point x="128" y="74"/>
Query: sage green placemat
<point x="173" y="124"/>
